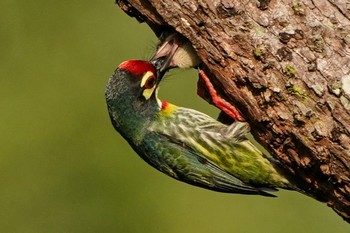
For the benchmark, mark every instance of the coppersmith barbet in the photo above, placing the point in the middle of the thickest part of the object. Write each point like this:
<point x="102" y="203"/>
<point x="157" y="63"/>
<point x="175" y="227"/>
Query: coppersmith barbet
<point x="183" y="143"/>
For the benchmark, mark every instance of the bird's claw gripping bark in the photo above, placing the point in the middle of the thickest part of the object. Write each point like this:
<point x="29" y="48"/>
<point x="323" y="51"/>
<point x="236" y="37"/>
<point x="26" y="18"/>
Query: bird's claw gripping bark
<point x="215" y="99"/>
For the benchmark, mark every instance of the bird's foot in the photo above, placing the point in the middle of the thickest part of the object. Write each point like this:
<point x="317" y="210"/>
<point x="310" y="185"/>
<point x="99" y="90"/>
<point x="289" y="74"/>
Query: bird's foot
<point x="215" y="99"/>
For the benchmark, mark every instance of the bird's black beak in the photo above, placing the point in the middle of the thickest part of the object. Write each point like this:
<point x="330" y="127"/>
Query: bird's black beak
<point x="158" y="63"/>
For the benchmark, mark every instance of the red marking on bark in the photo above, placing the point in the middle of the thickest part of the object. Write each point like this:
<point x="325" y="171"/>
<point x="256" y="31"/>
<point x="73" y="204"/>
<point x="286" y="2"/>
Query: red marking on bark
<point x="219" y="102"/>
<point x="137" y="67"/>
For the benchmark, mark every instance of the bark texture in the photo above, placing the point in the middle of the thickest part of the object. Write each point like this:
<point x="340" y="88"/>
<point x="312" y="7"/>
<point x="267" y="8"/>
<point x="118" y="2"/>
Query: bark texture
<point x="286" y="66"/>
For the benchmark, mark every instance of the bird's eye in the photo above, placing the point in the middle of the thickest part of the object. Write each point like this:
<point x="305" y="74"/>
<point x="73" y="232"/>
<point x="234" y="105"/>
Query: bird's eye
<point x="150" y="82"/>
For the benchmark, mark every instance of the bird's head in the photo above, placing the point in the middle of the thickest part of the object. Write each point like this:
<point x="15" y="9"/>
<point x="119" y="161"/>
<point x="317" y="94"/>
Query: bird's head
<point x="131" y="94"/>
<point x="174" y="51"/>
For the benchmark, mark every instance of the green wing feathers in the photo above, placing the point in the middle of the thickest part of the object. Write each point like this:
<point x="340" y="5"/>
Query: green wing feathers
<point x="224" y="146"/>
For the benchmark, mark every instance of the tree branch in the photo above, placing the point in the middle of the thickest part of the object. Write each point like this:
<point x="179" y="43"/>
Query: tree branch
<point x="286" y="66"/>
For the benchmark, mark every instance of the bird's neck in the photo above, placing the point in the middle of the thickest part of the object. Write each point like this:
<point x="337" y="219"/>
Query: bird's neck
<point x="130" y="117"/>
<point x="167" y="109"/>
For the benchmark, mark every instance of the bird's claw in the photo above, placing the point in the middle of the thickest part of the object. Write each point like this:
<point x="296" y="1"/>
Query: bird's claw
<point x="217" y="100"/>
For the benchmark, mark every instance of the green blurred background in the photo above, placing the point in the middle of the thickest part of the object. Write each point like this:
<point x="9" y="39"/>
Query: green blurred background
<point x="62" y="166"/>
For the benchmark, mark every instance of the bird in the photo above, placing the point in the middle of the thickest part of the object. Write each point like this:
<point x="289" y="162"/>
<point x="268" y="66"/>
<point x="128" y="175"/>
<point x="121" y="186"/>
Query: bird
<point x="176" y="51"/>
<point x="186" y="144"/>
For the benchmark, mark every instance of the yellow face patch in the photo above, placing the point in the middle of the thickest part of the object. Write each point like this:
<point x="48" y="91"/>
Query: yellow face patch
<point x="148" y="82"/>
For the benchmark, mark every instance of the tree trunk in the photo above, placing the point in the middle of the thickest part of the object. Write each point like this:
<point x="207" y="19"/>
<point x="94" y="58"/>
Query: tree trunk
<point x="286" y="66"/>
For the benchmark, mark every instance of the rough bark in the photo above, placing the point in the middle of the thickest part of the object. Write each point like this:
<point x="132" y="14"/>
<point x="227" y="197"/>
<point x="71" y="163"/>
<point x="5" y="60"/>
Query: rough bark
<point x="286" y="66"/>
